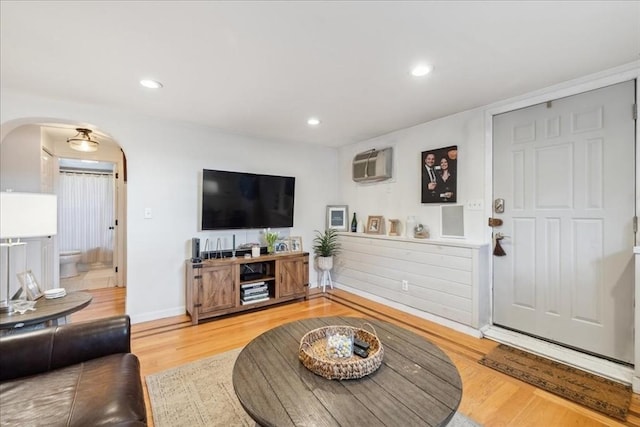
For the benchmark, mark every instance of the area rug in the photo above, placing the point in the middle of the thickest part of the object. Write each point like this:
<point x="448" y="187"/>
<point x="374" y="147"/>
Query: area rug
<point x="201" y="394"/>
<point x="598" y="393"/>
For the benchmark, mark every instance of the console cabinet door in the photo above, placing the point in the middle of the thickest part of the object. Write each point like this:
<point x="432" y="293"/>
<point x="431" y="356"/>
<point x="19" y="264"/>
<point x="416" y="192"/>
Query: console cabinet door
<point x="217" y="288"/>
<point x="293" y="277"/>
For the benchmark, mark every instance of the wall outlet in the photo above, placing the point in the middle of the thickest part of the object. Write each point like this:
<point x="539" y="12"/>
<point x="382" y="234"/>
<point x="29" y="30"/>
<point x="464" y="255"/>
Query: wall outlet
<point x="405" y="285"/>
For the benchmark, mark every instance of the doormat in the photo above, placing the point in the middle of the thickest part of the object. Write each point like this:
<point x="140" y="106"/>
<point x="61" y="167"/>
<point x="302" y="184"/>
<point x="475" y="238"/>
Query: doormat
<point x="595" y="392"/>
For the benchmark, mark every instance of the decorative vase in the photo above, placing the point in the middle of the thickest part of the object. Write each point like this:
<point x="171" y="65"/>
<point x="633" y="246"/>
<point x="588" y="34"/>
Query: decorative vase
<point x="325" y="263"/>
<point x="271" y="248"/>
<point x="409" y="229"/>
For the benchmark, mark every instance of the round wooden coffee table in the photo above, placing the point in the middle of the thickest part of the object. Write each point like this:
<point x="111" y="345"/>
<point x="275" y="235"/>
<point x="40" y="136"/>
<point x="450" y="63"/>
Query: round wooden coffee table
<point x="46" y="310"/>
<point x="417" y="384"/>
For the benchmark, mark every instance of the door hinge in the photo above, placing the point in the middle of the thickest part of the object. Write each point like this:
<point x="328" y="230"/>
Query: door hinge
<point x="117" y="175"/>
<point x="635" y="224"/>
<point x="197" y="277"/>
<point x="197" y="305"/>
<point x="116" y="269"/>
<point x="635" y="111"/>
<point x="116" y="222"/>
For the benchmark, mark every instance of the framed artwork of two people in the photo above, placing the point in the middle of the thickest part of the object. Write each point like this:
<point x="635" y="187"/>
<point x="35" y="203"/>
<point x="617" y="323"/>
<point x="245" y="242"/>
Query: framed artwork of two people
<point x="439" y="175"/>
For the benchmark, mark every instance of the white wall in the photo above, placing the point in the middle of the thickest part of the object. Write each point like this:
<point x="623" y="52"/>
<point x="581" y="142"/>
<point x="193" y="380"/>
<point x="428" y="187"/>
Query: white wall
<point x="20" y="160"/>
<point x="472" y="132"/>
<point x="164" y="159"/>
<point x="400" y="197"/>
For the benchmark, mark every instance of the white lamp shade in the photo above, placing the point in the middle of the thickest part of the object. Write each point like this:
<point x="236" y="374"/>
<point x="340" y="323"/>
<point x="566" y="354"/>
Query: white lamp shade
<point x="28" y="215"/>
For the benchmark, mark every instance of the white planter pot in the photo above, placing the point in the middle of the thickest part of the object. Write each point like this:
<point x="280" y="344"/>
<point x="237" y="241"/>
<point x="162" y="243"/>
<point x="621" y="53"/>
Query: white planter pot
<point x="325" y="263"/>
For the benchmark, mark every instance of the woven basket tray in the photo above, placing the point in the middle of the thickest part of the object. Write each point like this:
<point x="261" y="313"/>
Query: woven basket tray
<point x="313" y="354"/>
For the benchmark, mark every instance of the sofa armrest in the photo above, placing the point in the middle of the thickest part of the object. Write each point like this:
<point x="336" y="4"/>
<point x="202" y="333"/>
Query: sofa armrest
<point x="38" y="351"/>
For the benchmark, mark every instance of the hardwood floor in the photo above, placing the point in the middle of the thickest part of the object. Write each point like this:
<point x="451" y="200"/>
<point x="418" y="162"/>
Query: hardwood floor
<point x="489" y="397"/>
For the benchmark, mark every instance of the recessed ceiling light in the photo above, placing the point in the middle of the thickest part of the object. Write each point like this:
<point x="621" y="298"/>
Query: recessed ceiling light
<point x="151" y="84"/>
<point x="421" y="70"/>
<point x="313" y="121"/>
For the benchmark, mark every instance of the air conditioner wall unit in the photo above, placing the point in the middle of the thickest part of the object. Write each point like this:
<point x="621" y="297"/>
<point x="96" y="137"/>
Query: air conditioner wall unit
<point x="373" y="165"/>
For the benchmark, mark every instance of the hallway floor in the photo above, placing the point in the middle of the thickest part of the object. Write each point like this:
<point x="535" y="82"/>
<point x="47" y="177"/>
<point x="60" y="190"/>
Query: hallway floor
<point x="103" y="277"/>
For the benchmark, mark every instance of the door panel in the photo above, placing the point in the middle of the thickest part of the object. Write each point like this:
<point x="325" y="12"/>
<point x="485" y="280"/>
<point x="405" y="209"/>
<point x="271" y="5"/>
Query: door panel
<point x="566" y="171"/>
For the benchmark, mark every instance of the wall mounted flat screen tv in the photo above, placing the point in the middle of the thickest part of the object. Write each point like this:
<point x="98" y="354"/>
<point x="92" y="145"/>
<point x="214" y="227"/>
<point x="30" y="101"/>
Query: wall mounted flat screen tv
<point x="232" y="200"/>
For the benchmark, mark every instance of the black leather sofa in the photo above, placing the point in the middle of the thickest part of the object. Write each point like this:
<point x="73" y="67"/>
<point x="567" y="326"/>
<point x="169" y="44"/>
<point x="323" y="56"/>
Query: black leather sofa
<point x="79" y="374"/>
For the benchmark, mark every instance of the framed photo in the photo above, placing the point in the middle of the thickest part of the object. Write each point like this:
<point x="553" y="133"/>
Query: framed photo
<point x="282" y="246"/>
<point x="439" y="175"/>
<point x="375" y="225"/>
<point x="30" y="285"/>
<point x="295" y="244"/>
<point x="338" y="217"/>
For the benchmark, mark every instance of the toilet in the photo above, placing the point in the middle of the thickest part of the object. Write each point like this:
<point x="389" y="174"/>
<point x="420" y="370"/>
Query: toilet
<point x="68" y="263"/>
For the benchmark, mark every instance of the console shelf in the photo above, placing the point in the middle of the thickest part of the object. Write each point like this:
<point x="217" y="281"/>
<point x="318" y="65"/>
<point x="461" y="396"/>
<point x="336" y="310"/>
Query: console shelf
<point x="217" y="287"/>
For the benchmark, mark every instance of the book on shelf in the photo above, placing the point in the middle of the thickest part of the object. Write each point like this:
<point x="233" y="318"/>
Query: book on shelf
<point x="254" y="291"/>
<point x="252" y="285"/>
<point x="254" y="301"/>
<point x="255" y="296"/>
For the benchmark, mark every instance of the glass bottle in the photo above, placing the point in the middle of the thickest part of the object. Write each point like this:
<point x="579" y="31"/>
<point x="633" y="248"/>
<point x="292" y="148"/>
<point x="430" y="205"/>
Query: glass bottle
<point x="354" y="223"/>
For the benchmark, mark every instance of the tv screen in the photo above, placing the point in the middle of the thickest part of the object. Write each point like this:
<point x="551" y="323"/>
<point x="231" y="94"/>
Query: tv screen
<point x="233" y="200"/>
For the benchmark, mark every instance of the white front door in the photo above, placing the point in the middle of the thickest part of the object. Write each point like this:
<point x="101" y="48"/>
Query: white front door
<point x="566" y="172"/>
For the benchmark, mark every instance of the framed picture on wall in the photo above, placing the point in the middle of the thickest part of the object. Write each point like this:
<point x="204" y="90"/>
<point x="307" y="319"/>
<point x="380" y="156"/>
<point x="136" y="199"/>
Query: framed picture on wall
<point x="338" y="217"/>
<point x="439" y="175"/>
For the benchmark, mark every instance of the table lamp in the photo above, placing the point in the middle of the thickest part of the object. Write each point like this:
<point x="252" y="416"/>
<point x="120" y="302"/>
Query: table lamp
<point x="24" y="215"/>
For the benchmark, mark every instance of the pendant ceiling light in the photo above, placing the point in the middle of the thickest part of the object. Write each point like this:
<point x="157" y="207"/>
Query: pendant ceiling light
<point x="82" y="141"/>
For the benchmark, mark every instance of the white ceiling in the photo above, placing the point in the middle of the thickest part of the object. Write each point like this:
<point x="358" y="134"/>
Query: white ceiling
<point x="262" y="68"/>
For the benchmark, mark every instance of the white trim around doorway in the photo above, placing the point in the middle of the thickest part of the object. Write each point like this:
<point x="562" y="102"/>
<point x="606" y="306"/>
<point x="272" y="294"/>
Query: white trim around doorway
<point x="599" y="366"/>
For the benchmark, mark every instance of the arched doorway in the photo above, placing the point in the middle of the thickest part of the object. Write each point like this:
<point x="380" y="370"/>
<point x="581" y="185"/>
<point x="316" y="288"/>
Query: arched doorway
<point x="30" y="154"/>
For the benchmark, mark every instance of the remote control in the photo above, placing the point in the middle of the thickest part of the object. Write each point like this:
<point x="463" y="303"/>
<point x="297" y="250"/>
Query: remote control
<point x="360" y="352"/>
<point x="359" y="343"/>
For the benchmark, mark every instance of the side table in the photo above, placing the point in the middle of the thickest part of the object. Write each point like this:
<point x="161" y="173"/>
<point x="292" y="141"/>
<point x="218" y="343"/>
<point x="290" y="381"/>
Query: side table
<point x="48" y="311"/>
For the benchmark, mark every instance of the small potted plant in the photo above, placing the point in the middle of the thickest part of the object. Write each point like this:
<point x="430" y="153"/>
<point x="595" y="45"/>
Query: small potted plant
<point x="325" y="246"/>
<point x="270" y="237"/>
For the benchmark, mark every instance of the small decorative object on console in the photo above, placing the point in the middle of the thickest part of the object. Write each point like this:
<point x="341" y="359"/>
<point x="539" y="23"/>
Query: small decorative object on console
<point x="375" y="225"/>
<point x="421" y="232"/>
<point x="394" y="227"/>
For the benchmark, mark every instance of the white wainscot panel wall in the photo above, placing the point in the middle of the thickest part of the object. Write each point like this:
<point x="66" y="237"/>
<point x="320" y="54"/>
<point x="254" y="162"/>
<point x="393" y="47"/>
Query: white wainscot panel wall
<point x="444" y="279"/>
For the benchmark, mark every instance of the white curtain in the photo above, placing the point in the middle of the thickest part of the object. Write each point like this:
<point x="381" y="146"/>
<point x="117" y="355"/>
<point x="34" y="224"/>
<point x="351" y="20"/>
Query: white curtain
<point x="85" y="213"/>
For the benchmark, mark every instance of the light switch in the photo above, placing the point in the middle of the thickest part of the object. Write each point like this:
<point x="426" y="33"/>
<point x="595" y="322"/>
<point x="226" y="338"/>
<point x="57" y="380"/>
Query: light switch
<point x="147" y="213"/>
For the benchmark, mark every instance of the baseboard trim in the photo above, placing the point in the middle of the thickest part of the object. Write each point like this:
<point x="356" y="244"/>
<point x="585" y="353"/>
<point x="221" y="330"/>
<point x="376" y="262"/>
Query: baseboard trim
<point x="155" y="315"/>
<point x="586" y="362"/>
<point x="418" y="313"/>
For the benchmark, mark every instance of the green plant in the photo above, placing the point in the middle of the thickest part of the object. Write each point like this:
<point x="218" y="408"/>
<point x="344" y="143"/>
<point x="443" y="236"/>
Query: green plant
<point x="270" y="237"/>
<point x="326" y="244"/>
